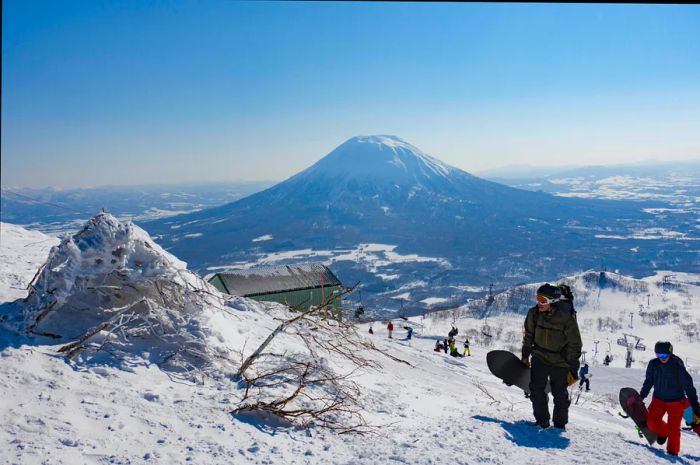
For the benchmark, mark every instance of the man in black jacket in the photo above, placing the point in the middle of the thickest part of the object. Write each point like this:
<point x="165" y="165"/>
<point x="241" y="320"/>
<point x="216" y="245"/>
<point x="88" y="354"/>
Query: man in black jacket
<point x="551" y="335"/>
<point x="673" y="392"/>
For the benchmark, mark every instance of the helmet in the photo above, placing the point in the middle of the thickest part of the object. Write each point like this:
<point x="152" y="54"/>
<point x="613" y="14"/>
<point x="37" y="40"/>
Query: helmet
<point x="663" y="347"/>
<point x="549" y="291"/>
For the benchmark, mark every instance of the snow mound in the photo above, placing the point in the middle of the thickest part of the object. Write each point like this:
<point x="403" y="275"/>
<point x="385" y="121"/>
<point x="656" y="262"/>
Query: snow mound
<point x="119" y="296"/>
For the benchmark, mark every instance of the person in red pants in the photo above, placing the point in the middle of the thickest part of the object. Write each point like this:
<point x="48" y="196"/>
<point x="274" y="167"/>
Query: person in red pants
<point x="673" y="393"/>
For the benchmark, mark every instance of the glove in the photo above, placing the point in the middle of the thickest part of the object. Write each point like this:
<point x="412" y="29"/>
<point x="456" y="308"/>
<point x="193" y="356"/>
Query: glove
<point x="526" y="361"/>
<point x="574" y="366"/>
<point x="570" y="379"/>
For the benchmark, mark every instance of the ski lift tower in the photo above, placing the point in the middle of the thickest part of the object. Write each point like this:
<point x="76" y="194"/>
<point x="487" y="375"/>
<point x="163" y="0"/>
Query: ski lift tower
<point x="595" y="352"/>
<point x="631" y="343"/>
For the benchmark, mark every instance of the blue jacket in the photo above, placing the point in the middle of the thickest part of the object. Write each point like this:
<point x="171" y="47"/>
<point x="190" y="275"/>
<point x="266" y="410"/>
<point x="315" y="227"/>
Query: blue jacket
<point x="671" y="381"/>
<point x="583" y="372"/>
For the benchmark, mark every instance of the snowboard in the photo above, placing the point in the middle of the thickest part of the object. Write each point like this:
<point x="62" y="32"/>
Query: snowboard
<point x="508" y="366"/>
<point x="633" y="405"/>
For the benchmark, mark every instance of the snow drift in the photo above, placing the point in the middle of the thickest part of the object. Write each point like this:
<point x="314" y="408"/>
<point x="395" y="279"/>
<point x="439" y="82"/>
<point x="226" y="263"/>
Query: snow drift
<point x="115" y="294"/>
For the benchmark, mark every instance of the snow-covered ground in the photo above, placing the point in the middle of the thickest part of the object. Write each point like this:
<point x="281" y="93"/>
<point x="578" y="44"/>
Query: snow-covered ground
<point x="22" y="252"/>
<point x="437" y="410"/>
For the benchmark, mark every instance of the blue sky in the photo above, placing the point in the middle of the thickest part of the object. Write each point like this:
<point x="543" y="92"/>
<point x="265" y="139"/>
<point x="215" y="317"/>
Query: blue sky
<point x="137" y="92"/>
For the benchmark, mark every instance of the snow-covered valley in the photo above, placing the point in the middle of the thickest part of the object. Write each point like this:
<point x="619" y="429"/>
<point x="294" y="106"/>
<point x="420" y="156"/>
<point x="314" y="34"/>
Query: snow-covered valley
<point x="116" y="401"/>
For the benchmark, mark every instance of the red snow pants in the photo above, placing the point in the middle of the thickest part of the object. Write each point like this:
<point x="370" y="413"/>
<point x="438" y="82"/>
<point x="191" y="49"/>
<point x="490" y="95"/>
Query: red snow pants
<point x="671" y="428"/>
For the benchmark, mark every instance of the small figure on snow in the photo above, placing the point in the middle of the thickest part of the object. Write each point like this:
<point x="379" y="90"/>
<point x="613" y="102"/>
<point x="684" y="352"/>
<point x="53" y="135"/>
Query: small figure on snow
<point x="466" y="347"/>
<point x="607" y="360"/>
<point x="453" y="349"/>
<point x="673" y="392"/>
<point x="583" y="374"/>
<point x="438" y="346"/>
<point x="390" y="328"/>
<point x="409" y="332"/>
<point x="371" y="331"/>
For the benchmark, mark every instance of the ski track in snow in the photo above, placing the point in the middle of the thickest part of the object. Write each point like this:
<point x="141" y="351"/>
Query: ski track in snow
<point x="56" y="412"/>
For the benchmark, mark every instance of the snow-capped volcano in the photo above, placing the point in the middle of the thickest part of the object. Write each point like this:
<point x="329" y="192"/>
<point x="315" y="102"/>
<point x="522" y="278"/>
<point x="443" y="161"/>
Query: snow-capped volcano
<point x="383" y="190"/>
<point x="386" y="158"/>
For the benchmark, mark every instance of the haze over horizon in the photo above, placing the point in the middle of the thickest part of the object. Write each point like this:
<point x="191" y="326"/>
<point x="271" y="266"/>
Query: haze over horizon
<point x="97" y="93"/>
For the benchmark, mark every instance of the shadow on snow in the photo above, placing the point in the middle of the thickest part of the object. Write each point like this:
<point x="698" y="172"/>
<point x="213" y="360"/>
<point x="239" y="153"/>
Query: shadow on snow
<point x="661" y="453"/>
<point x="525" y="434"/>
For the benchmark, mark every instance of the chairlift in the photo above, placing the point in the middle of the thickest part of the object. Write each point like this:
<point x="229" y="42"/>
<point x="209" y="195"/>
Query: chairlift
<point x="486" y="329"/>
<point x="640" y="346"/>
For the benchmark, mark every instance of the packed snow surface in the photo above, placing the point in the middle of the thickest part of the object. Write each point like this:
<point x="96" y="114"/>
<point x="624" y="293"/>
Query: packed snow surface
<point x="437" y="410"/>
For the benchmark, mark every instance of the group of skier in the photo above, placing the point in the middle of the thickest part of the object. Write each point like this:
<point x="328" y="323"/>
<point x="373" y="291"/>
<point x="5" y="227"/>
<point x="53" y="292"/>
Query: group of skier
<point x="552" y="348"/>
<point x="449" y="344"/>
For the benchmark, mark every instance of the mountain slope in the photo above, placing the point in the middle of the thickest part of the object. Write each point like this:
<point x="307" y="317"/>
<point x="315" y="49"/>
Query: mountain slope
<point x="439" y="409"/>
<point x="380" y="189"/>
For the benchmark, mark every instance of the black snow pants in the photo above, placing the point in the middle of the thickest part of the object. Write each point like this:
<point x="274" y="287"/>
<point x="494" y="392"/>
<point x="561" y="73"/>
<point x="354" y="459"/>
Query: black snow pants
<point x="587" y="381"/>
<point x="539" y="374"/>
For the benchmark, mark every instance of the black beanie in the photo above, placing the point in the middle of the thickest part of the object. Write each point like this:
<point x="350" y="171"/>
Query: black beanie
<point x="663" y="347"/>
<point x="548" y="290"/>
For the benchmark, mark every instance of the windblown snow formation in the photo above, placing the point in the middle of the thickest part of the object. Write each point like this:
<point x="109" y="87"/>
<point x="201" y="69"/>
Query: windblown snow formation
<point x="111" y="290"/>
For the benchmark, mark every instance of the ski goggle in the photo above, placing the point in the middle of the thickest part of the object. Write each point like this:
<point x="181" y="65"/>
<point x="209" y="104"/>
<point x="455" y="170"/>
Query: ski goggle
<point x="544" y="300"/>
<point x="663" y="356"/>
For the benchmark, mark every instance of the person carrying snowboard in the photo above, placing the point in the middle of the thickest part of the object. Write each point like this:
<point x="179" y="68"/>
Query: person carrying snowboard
<point x="466" y="347"/>
<point x="552" y="338"/>
<point x="673" y="392"/>
<point x="390" y="328"/>
<point x="583" y="374"/>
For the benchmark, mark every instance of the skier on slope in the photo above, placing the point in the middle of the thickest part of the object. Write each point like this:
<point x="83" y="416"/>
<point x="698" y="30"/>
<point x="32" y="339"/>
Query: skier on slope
<point x="453" y="349"/>
<point x="673" y="392"/>
<point x="390" y="328"/>
<point x="466" y="348"/>
<point x="583" y="374"/>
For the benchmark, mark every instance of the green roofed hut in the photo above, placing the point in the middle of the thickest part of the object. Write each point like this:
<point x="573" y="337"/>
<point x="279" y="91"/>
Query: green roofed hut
<point x="301" y="286"/>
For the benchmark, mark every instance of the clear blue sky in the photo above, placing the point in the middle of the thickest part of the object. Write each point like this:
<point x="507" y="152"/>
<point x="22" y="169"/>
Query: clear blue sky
<point x="134" y="92"/>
